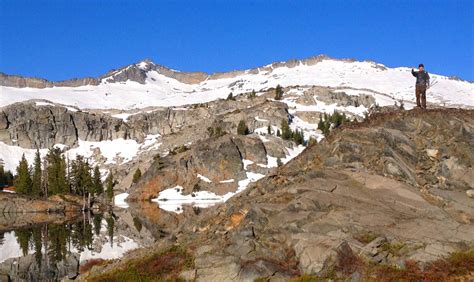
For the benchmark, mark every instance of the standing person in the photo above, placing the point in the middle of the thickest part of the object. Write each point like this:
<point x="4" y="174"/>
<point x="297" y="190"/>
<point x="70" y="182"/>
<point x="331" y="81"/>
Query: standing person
<point x="422" y="83"/>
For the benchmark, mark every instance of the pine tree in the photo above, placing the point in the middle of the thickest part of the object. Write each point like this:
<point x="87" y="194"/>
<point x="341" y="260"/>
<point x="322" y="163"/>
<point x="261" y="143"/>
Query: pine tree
<point x="97" y="220"/>
<point x="278" y="132"/>
<point x="242" y="128"/>
<point x="23" y="237"/>
<point x="36" y="239"/>
<point x="269" y="130"/>
<point x="278" y="92"/>
<point x="230" y="97"/>
<point x="321" y="123"/>
<point x="252" y="95"/>
<point x="286" y="132"/>
<point x="9" y="178"/>
<point x="23" y="178"/>
<point x="109" y="186"/>
<point x="98" y="186"/>
<point x="298" y="136"/>
<point x="56" y="172"/>
<point x="279" y="163"/>
<point x="37" y="181"/>
<point x="3" y="181"/>
<point x="88" y="183"/>
<point x="137" y="175"/>
<point x="110" y="229"/>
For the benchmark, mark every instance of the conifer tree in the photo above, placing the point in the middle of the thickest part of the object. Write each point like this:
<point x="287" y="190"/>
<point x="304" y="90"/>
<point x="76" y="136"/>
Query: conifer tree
<point x="242" y="128"/>
<point x="37" y="181"/>
<point x="278" y="92"/>
<point x="269" y="130"/>
<point x="252" y="95"/>
<point x="137" y="175"/>
<point x="320" y="123"/>
<point x="23" y="237"/>
<point x="56" y="172"/>
<point x="2" y="177"/>
<point x="97" y="220"/>
<point x="37" y="243"/>
<point x="109" y="186"/>
<point x="110" y="229"/>
<point x="98" y="186"/>
<point x="8" y="178"/>
<point x="286" y="132"/>
<point x="23" y="178"/>
<point x="298" y="136"/>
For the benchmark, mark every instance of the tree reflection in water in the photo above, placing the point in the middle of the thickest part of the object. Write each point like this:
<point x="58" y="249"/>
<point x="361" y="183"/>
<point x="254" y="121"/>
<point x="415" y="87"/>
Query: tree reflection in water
<point x="55" y="241"/>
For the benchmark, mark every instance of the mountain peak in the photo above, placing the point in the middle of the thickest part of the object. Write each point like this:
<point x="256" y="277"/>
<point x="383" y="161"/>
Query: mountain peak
<point x="145" y="64"/>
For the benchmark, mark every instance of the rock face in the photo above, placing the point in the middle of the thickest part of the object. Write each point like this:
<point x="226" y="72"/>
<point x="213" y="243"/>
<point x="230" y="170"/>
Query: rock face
<point x="342" y="188"/>
<point x="218" y="159"/>
<point x="30" y="126"/>
<point x="369" y="190"/>
<point x="26" y="268"/>
<point x="18" y="211"/>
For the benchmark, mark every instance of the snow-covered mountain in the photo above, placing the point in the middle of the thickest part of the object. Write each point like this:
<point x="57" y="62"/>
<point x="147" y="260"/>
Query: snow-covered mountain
<point x="116" y="120"/>
<point x="146" y="84"/>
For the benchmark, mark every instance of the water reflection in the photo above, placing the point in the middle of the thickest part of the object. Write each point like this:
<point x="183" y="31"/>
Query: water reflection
<point x="57" y="250"/>
<point x="54" y="251"/>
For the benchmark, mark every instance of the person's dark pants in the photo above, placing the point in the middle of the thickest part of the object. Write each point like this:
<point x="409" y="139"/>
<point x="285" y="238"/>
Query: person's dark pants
<point x="421" y="96"/>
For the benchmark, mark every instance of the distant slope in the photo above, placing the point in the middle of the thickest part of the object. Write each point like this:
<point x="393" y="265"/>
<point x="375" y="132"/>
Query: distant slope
<point x="147" y="84"/>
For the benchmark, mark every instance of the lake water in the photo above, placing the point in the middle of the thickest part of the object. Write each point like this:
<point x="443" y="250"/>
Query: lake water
<point x="51" y="251"/>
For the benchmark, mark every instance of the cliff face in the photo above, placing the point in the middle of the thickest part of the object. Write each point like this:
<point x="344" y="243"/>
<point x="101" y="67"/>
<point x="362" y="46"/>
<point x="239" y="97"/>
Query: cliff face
<point x="35" y="124"/>
<point x="29" y="126"/>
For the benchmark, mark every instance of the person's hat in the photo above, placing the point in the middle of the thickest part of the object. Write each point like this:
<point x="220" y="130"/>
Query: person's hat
<point x="421" y="65"/>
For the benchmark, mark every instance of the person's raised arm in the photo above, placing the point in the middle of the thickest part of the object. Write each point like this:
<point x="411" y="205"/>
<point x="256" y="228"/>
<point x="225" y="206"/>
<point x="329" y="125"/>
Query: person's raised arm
<point x="413" y="72"/>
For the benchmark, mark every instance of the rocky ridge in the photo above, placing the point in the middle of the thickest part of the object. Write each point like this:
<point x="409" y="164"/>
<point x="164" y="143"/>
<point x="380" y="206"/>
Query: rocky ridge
<point x="389" y="190"/>
<point x="137" y="72"/>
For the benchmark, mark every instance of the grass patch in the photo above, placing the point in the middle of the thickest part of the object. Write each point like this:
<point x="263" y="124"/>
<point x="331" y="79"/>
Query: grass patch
<point x="162" y="266"/>
<point x="90" y="263"/>
<point x="392" y="248"/>
<point x="305" y="278"/>
<point x="365" y="237"/>
<point x="459" y="266"/>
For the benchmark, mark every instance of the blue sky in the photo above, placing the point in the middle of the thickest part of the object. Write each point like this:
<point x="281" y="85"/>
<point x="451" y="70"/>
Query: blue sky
<point x="65" y="39"/>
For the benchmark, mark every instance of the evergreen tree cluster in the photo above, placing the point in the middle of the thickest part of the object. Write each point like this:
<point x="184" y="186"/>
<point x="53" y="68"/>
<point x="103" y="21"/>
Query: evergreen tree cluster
<point x="252" y="95"/>
<point x="216" y="131"/>
<point x="6" y="177"/>
<point x="54" y="175"/>
<point x="287" y="134"/>
<point x="332" y="121"/>
<point x="278" y="92"/>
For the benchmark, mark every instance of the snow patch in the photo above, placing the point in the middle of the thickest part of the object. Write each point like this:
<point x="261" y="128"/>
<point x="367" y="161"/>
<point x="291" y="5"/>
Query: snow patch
<point x="119" y="200"/>
<point x="203" y="178"/>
